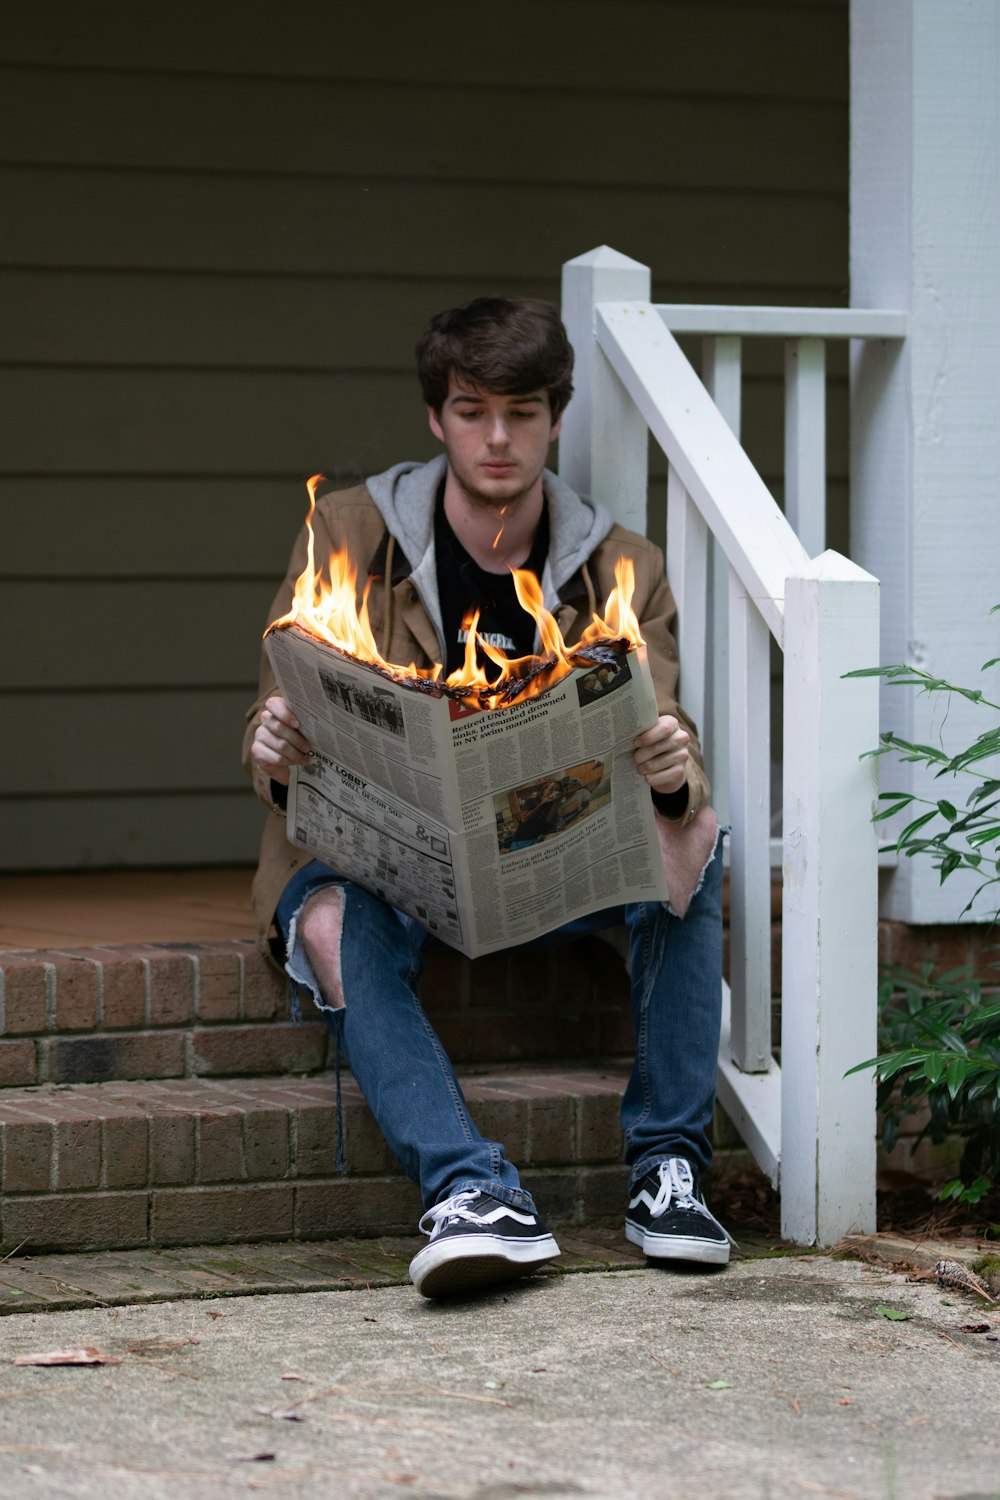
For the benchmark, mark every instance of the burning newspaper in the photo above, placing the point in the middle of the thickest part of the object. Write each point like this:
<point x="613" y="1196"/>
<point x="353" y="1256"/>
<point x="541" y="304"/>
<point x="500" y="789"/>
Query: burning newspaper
<point x="492" y="812"/>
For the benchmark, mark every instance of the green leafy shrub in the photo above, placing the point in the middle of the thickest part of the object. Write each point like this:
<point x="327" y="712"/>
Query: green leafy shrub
<point x="939" y="1052"/>
<point x="939" y="1036"/>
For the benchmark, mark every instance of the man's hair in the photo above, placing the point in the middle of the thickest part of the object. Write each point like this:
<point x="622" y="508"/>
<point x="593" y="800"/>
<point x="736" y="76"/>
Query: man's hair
<point x="507" y="345"/>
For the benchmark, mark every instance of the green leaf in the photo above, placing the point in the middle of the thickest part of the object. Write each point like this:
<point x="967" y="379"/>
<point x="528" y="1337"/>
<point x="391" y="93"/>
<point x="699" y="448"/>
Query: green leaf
<point x="719" y="1385"/>
<point x="956" y="1073"/>
<point x="893" y="1314"/>
<point x="903" y="799"/>
<point x="911" y="828"/>
<point x="934" y="1067"/>
<point x="947" y="811"/>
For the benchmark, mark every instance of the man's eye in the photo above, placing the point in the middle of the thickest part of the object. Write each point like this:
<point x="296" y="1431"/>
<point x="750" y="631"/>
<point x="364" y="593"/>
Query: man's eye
<point x="531" y="412"/>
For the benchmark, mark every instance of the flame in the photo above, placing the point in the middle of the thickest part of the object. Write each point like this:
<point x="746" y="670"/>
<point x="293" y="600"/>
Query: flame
<point x="496" y="539"/>
<point x="325" y="605"/>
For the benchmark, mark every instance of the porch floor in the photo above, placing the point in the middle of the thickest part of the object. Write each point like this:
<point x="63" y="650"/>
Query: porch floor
<point x="95" y="909"/>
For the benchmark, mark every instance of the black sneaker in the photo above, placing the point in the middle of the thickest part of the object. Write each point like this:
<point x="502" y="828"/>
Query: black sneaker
<point x="477" y="1241"/>
<point x="667" y="1217"/>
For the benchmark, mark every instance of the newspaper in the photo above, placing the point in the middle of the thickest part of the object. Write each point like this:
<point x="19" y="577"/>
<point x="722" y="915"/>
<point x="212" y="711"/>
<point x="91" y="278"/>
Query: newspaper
<point x="489" y="827"/>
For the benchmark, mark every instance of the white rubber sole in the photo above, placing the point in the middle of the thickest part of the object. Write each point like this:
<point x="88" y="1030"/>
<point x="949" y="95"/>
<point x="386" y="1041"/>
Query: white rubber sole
<point x="466" y="1263"/>
<point x="677" y="1247"/>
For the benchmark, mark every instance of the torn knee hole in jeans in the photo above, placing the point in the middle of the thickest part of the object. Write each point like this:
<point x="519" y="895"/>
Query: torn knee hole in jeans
<point x="314" y="956"/>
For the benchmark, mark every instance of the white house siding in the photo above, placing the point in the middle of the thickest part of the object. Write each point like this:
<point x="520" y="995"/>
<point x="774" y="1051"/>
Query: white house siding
<point x="221" y="240"/>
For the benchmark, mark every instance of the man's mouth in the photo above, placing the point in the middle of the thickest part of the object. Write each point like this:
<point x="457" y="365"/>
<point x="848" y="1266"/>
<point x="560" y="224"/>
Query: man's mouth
<point x="498" y="467"/>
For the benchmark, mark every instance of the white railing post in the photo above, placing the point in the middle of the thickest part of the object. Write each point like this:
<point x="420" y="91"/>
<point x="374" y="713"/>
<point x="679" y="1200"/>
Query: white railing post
<point x="805" y="441"/>
<point x="830" y="903"/>
<point x="603" y="444"/>
<point x="687" y="569"/>
<point x="750" y="841"/>
<point x="721" y="372"/>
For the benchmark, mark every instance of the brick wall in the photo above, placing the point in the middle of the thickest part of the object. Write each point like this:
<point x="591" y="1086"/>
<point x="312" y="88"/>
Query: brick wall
<point x="189" y="1161"/>
<point x="220" y="1010"/>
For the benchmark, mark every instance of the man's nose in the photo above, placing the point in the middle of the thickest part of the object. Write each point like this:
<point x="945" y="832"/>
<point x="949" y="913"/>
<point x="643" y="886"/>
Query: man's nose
<point x="497" y="435"/>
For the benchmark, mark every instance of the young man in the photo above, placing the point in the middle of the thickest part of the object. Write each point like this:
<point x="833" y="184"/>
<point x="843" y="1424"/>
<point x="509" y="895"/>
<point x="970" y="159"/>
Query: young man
<point x="438" y="539"/>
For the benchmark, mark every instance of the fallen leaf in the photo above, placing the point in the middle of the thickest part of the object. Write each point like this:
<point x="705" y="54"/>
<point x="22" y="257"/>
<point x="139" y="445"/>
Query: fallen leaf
<point x="293" y="1377"/>
<point x="250" y="1458"/>
<point x="85" y="1356"/>
<point x="280" y="1414"/>
<point x="975" y="1327"/>
<point x="211" y="1313"/>
<point x="893" y="1314"/>
<point x="845" y="1401"/>
<point x="719" y="1385"/>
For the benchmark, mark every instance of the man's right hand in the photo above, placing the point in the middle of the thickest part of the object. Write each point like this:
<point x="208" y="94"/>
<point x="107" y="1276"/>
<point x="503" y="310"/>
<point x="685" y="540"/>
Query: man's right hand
<point x="278" y="743"/>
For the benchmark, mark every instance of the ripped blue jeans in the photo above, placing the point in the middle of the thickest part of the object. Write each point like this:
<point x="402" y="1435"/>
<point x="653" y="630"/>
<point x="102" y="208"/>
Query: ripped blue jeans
<point x="406" y="1077"/>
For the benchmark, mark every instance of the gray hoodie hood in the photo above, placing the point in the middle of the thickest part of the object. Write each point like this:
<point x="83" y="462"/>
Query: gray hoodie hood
<point x="406" y="494"/>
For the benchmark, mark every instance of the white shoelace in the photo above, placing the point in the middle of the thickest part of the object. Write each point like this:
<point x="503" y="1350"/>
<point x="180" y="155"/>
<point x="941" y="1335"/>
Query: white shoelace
<point x="452" y="1211"/>
<point x="676" y="1186"/>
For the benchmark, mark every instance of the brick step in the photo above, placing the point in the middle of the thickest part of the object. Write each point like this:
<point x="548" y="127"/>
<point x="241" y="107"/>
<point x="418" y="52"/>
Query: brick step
<point x="92" y="1015"/>
<point x="184" y="1161"/>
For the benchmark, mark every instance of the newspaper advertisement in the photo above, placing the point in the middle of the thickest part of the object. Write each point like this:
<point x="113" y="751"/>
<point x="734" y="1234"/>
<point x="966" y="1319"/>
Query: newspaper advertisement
<point x="490" y="827"/>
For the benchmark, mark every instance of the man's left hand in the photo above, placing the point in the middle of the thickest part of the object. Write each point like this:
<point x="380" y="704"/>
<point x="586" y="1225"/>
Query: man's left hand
<point x="661" y="754"/>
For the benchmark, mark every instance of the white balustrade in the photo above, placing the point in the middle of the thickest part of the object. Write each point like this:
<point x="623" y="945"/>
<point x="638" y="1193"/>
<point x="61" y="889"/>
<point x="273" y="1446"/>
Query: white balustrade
<point x="804" y="1122"/>
<point x="722" y="375"/>
<point x="688" y="550"/>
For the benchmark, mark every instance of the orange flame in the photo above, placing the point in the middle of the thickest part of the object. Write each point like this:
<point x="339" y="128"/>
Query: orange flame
<point x="496" y="539"/>
<point x="325" y="605"/>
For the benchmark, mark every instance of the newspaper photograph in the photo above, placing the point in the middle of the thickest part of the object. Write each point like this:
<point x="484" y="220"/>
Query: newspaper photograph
<point x="488" y="826"/>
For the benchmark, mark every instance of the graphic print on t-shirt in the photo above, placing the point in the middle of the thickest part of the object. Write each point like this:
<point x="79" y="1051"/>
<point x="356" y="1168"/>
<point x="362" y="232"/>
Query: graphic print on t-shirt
<point x="464" y="586"/>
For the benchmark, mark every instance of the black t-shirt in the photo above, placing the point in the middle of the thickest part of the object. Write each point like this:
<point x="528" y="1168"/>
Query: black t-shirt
<point x="463" y="586"/>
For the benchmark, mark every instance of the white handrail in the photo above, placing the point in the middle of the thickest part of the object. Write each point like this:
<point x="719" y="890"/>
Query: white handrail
<point x="783" y="322"/>
<point x="717" y="474"/>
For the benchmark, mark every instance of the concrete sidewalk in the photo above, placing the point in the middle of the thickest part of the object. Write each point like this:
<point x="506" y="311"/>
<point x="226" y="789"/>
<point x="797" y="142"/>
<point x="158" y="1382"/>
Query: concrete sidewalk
<point x="775" y="1378"/>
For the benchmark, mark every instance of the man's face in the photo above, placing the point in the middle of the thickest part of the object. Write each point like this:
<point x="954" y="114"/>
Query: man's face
<point x="496" y="445"/>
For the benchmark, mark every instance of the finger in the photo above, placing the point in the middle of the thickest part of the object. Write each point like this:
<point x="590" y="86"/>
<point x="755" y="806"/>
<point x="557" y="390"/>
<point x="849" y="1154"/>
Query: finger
<point x="281" y="731"/>
<point x="280" y="710"/>
<point x="665" y="726"/>
<point x="658" y="757"/>
<point x="275" y="749"/>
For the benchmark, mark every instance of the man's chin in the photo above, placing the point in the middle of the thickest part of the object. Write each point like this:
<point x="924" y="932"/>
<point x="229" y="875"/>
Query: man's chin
<point x="496" y="493"/>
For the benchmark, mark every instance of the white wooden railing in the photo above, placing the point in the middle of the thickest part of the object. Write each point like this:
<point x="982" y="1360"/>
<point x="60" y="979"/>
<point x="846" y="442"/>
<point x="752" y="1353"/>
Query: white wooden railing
<point x="805" y="332"/>
<point x="806" y="1124"/>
